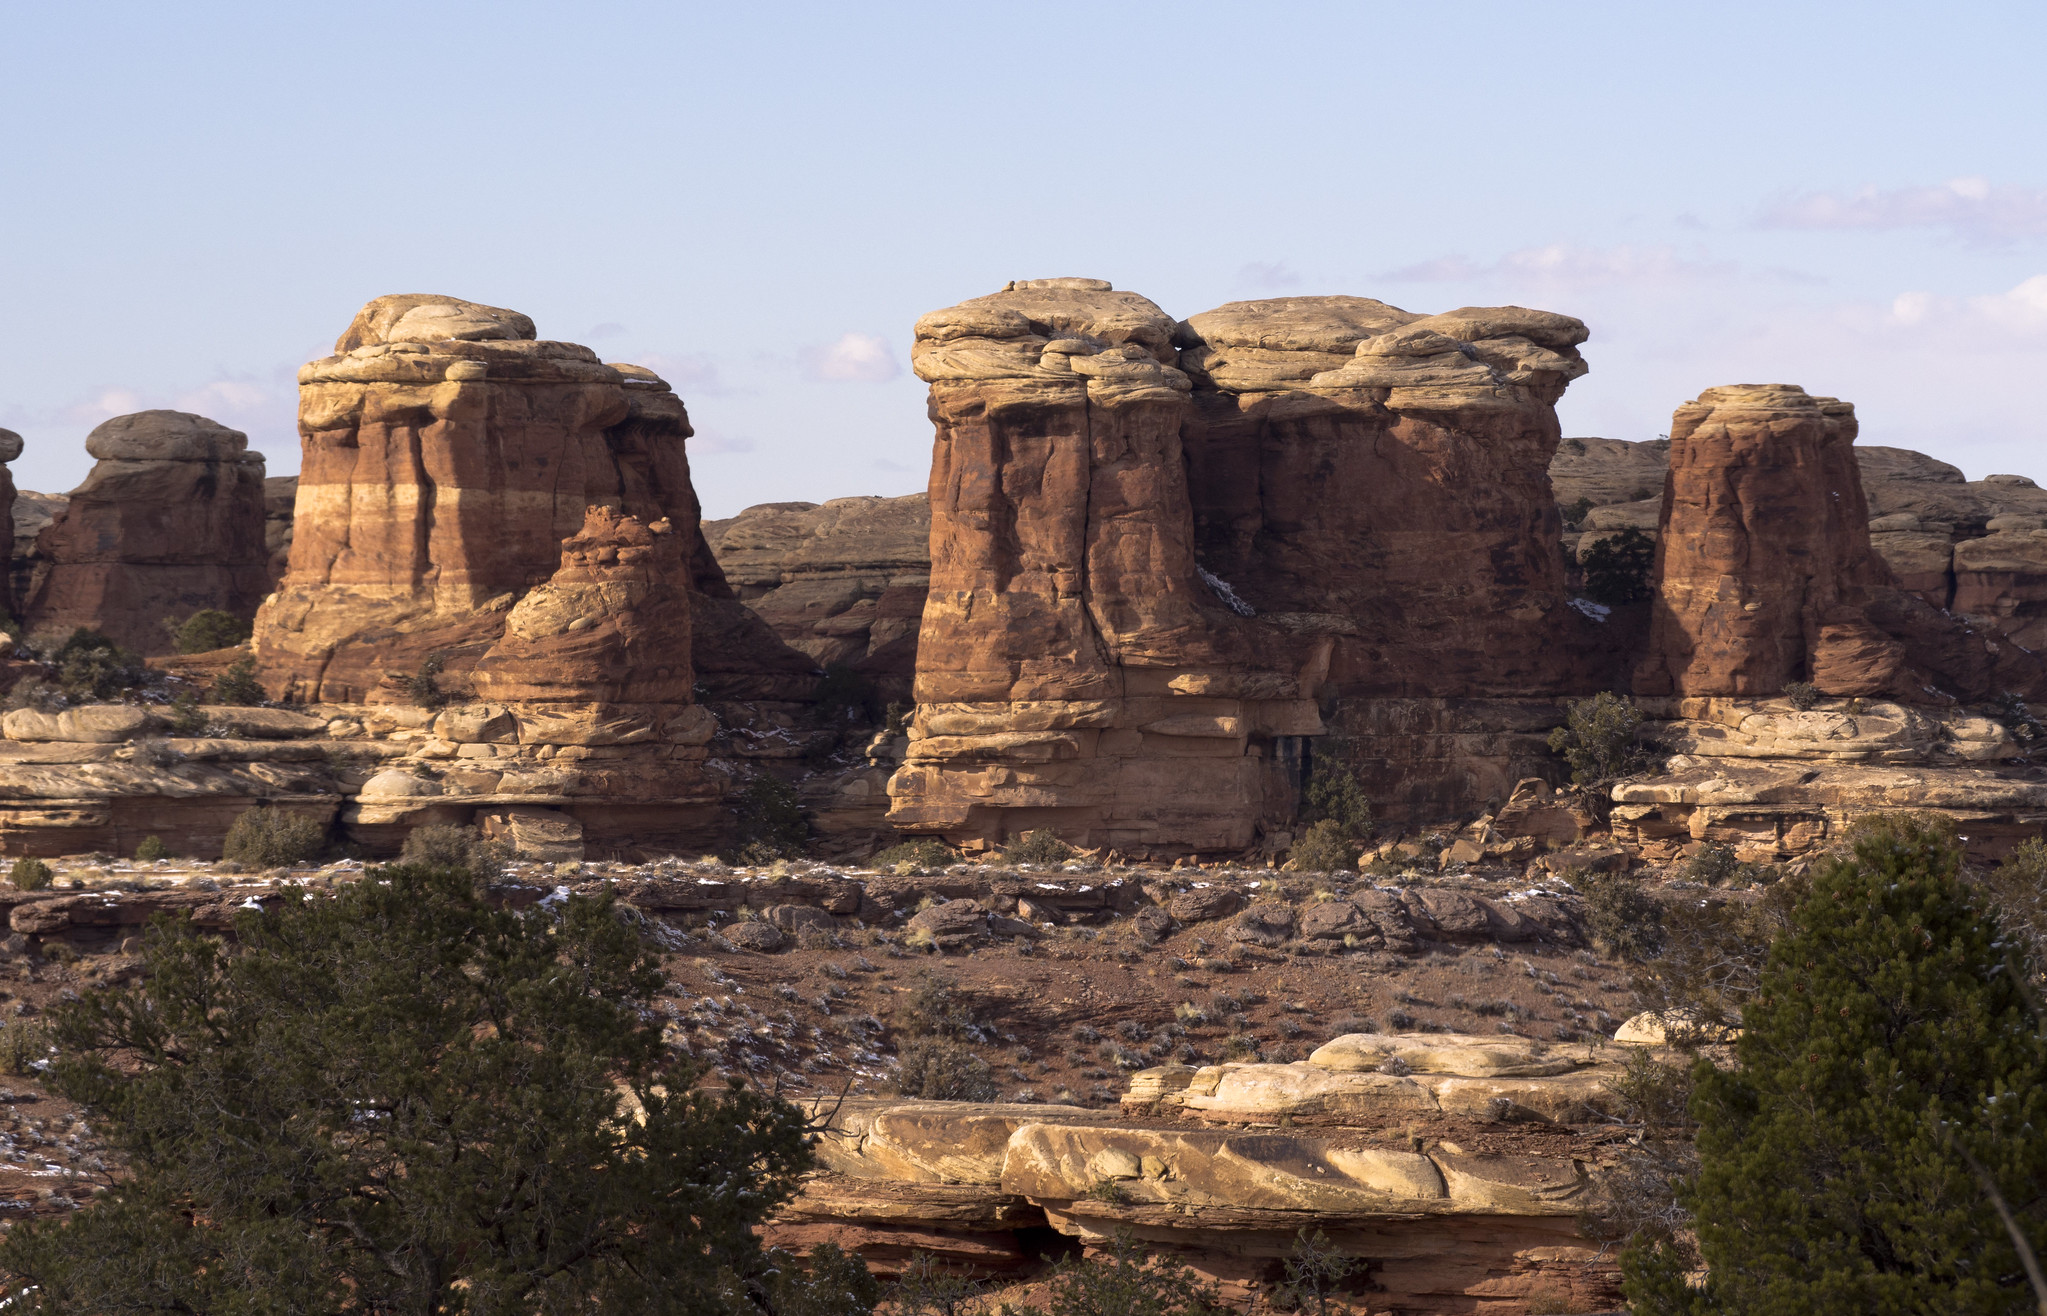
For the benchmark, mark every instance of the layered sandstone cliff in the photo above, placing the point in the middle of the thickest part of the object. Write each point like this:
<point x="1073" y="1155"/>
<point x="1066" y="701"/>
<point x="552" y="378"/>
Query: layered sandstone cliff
<point x="843" y="582"/>
<point x="1765" y="574"/>
<point x="1075" y="668"/>
<point x="447" y="453"/>
<point x="1381" y="477"/>
<point x="168" y="522"/>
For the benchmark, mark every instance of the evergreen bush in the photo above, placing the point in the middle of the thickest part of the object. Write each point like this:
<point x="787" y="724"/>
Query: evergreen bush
<point x="1887" y="1105"/>
<point x="399" y="1098"/>
<point x="269" y="837"/>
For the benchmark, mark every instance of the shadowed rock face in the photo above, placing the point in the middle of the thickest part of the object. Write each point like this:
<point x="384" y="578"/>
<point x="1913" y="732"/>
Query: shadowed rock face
<point x="1381" y="477"/>
<point x="1766" y="575"/>
<point x="169" y="521"/>
<point x="1073" y="669"/>
<point x="447" y="453"/>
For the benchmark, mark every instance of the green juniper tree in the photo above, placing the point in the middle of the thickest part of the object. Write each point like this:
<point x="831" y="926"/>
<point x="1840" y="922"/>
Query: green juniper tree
<point x="1889" y="1105"/>
<point x="402" y="1099"/>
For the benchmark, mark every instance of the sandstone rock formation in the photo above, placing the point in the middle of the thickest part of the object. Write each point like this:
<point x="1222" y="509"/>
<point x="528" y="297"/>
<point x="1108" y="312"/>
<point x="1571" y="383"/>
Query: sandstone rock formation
<point x="169" y="521"/>
<point x="1453" y="1177"/>
<point x="10" y="448"/>
<point x="1766" y="575"/>
<point x="447" y="454"/>
<point x="1381" y="476"/>
<point x="843" y="582"/>
<point x="1074" y="667"/>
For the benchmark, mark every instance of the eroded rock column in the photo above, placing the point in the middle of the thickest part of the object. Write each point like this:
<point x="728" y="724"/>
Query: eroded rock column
<point x="1074" y="671"/>
<point x="1765" y="573"/>
<point x="447" y="453"/>
<point x="168" y="522"/>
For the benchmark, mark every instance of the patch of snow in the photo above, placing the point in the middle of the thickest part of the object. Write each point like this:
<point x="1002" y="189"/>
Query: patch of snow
<point x="1221" y="589"/>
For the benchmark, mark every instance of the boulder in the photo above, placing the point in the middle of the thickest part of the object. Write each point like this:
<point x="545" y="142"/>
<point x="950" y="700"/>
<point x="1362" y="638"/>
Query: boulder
<point x="1266" y="925"/>
<point x="168" y="522"/>
<point x="754" y="935"/>
<point x="1204" y="903"/>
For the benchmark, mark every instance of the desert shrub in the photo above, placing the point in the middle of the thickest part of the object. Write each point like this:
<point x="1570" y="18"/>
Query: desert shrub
<point x="2017" y="888"/>
<point x="36" y="693"/>
<point x="934" y="1069"/>
<point x="1128" y="1279"/>
<point x="1883" y="1113"/>
<point x="940" y="1007"/>
<point x="1617" y="568"/>
<point x="29" y="874"/>
<point x="1626" y="923"/>
<point x="769" y="821"/>
<point x="22" y="1044"/>
<point x="209" y="629"/>
<point x="1802" y="695"/>
<point x="1598" y="740"/>
<point x="1323" y="848"/>
<point x="182" y="714"/>
<point x="238" y="684"/>
<point x="391" y="1098"/>
<point x="444" y="845"/>
<point x="921" y="853"/>
<point x="1334" y="795"/>
<point x="151" y="850"/>
<point x="1317" y="1274"/>
<point x="268" y="837"/>
<point x="423" y="687"/>
<point x="826" y="1283"/>
<point x="1042" y="846"/>
<point x="92" y="667"/>
<point x="928" y="1287"/>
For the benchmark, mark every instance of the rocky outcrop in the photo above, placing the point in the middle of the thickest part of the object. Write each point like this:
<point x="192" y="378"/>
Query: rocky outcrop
<point x="10" y="448"/>
<point x="169" y="521"/>
<point x="1765" y="574"/>
<point x="447" y="453"/>
<point x="1075" y="669"/>
<point x="1451" y="1169"/>
<point x="843" y="582"/>
<point x="1380" y="477"/>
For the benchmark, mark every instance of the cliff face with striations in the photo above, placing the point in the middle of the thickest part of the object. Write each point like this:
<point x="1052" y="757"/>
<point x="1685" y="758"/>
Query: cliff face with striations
<point x="1073" y="669"/>
<point x="1765" y="572"/>
<point x="169" y="521"/>
<point x="447" y="453"/>
<point x="1381" y="477"/>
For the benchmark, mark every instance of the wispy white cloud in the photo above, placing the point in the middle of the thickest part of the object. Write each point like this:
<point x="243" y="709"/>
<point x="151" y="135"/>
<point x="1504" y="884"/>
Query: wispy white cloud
<point x="1270" y="275"/>
<point x="855" y="358"/>
<point x="1974" y="209"/>
<point x="689" y="373"/>
<point x="1569" y="265"/>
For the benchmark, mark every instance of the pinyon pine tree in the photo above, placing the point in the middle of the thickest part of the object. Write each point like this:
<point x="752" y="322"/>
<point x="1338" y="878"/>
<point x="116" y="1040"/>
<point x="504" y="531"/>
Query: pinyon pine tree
<point x="1890" y="1098"/>
<point x="402" y="1099"/>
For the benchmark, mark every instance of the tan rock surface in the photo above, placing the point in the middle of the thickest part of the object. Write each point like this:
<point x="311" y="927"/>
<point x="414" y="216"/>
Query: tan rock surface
<point x="447" y="455"/>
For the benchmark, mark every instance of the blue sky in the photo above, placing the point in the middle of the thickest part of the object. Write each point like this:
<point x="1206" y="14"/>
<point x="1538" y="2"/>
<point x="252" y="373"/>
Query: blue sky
<point x="759" y="199"/>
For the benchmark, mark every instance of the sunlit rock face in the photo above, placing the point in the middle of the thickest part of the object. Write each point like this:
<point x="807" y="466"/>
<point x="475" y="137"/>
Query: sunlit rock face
<point x="447" y="454"/>
<point x="1074" y="669"/>
<point x="1766" y="575"/>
